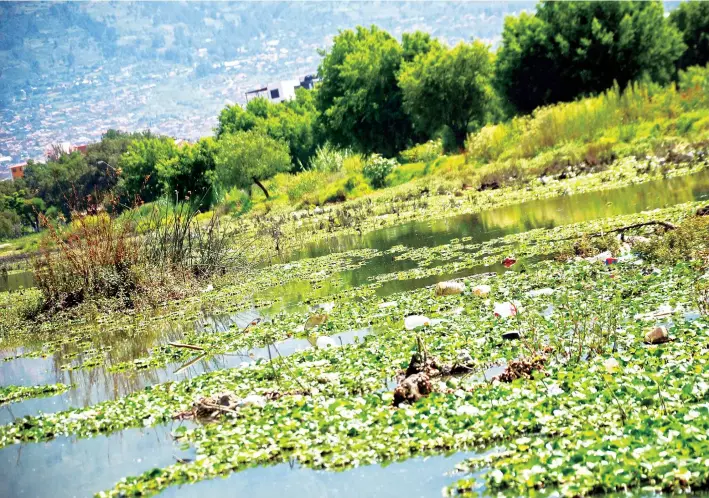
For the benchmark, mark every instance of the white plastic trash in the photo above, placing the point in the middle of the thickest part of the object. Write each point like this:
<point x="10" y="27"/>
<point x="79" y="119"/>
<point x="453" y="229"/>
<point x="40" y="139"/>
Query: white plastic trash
<point x="414" y="321"/>
<point x="600" y="258"/>
<point x="541" y="292"/>
<point x="253" y="399"/>
<point x="506" y="309"/>
<point x="324" y="341"/>
<point x="481" y="290"/>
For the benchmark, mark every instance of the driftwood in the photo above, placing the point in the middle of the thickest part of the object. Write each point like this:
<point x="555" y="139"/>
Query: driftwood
<point x="622" y="230"/>
<point x="189" y="363"/>
<point x="187" y="346"/>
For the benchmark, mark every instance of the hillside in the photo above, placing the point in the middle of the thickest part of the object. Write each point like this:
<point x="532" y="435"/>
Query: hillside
<point x="71" y="71"/>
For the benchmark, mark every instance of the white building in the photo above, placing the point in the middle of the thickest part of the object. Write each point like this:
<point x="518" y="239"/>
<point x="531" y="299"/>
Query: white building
<point x="282" y="90"/>
<point x="275" y="92"/>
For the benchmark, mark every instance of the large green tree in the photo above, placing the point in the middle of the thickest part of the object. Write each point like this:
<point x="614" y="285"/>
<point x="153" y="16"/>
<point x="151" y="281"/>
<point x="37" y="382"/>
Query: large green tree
<point x="57" y="181"/>
<point x="417" y="43"/>
<point x="359" y="100"/>
<point x="692" y="21"/>
<point x="576" y="48"/>
<point x="293" y="122"/>
<point x="139" y="167"/>
<point x="247" y="157"/>
<point x="190" y="172"/>
<point x="449" y="87"/>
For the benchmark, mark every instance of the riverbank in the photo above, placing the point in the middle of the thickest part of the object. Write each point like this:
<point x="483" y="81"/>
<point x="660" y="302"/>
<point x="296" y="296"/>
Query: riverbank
<point x="260" y="339"/>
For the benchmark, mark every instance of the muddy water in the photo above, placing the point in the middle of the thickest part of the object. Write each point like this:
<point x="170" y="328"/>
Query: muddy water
<point x="80" y="468"/>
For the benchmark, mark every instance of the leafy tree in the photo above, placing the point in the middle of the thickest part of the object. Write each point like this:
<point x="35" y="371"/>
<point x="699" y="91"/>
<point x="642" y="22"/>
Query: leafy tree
<point x="190" y="172"/>
<point x="293" y="122"/>
<point x="103" y="158"/>
<point x="57" y="181"/>
<point x="248" y="157"/>
<point x="525" y="64"/>
<point x="359" y="100"/>
<point x="10" y="224"/>
<point x="575" y="48"/>
<point x="138" y="165"/>
<point x="692" y="21"/>
<point x="417" y="43"/>
<point x="449" y="87"/>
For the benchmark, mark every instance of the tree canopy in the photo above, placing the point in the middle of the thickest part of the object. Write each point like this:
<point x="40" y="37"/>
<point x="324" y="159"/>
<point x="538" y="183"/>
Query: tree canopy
<point x="449" y="87"/>
<point x="247" y="157"/>
<point x="139" y="165"/>
<point x="577" y="48"/>
<point x="190" y="172"/>
<point x="359" y="99"/>
<point x="292" y="122"/>
<point x="692" y="21"/>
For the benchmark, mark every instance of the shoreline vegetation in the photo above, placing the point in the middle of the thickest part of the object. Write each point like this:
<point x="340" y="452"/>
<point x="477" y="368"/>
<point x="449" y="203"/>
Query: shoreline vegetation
<point x="569" y="350"/>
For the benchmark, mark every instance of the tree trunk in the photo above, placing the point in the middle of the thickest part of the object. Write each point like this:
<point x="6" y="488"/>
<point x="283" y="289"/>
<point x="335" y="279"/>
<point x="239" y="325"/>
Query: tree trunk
<point x="261" y="186"/>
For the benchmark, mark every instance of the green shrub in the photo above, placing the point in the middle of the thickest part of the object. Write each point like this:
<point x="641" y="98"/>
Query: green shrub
<point x="423" y="153"/>
<point x="328" y="159"/>
<point x="377" y="168"/>
<point x="689" y="241"/>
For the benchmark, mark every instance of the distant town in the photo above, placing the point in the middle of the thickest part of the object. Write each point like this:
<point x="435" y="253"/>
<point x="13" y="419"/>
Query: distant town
<point x="71" y="78"/>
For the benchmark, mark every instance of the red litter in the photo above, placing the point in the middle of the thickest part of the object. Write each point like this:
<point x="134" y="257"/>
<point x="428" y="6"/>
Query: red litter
<point x="507" y="262"/>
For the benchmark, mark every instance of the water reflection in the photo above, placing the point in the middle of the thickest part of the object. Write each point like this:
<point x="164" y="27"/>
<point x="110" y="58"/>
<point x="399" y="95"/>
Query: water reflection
<point x="96" y="385"/>
<point x="543" y="213"/>
<point x="413" y="478"/>
<point x="15" y="281"/>
<point x="66" y="467"/>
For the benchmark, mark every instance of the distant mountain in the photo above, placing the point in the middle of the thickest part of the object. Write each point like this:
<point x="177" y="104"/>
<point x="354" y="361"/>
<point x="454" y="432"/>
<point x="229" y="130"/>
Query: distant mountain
<point x="69" y="71"/>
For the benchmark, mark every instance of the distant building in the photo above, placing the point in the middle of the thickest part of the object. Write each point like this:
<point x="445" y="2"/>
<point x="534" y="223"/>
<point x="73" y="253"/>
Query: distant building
<point x="283" y="90"/>
<point x="17" y="170"/>
<point x="55" y="150"/>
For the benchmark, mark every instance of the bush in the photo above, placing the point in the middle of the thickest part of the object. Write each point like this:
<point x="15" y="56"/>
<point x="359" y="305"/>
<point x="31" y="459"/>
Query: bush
<point x="377" y="168"/>
<point x="631" y="115"/>
<point x="105" y="258"/>
<point x="423" y="153"/>
<point x="690" y="241"/>
<point x="328" y="159"/>
<point x="96" y="258"/>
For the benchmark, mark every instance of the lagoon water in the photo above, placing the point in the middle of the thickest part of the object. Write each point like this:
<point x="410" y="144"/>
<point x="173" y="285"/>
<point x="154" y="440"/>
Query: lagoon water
<point x="71" y="467"/>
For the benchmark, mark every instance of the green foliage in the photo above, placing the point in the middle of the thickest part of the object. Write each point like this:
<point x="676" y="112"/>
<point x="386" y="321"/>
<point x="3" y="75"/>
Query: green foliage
<point x="15" y="393"/>
<point x="359" y="100"/>
<point x="248" y="157"/>
<point x="426" y="152"/>
<point x="292" y="122"/>
<point x="417" y="43"/>
<point x="692" y="20"/>
<point x="139" y="165"/>
<point x="190" y="173"/>
<point x="329" y="159"/>
<point x="377" y="168"/>
<point x="577" y="48"/>
<point x="690" y="241"/>
<point x="10" y="225"/>
<point x="601" y="122"/>
<point x="449" y="87"/>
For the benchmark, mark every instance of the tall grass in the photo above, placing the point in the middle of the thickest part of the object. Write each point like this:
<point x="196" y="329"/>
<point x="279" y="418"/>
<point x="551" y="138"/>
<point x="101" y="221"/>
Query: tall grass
<point x="179" y="244"/>
<point x="616" y="115"/>
<point x="97" y="257"/>
<point x="151" y="255"/>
